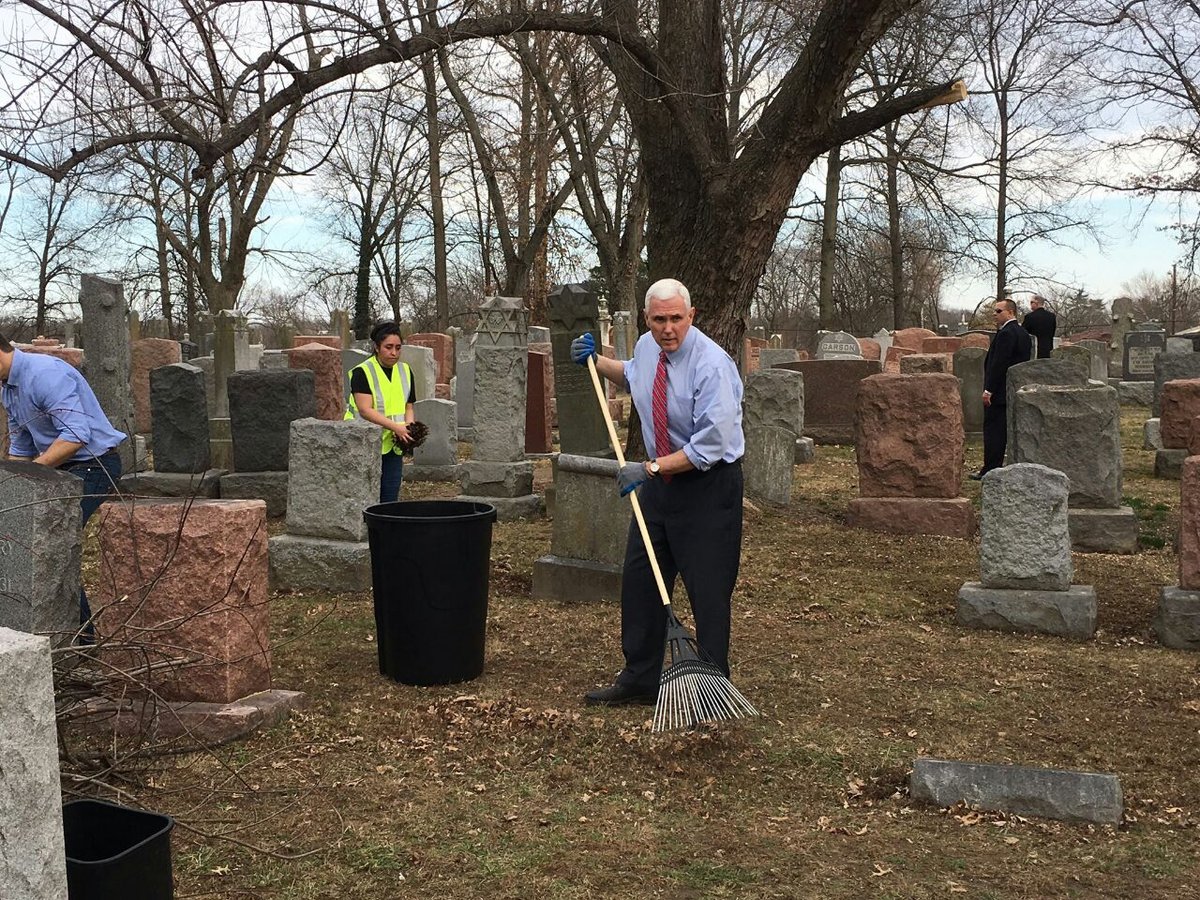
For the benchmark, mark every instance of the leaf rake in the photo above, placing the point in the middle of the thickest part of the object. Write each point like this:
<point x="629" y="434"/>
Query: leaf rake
<point x="692" y="688"/>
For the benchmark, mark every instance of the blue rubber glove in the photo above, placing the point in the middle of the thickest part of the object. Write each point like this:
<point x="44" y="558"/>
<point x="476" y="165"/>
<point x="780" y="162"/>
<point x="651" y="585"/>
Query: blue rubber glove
<point x="583" y="348"/>
<point x="630" y="477"/>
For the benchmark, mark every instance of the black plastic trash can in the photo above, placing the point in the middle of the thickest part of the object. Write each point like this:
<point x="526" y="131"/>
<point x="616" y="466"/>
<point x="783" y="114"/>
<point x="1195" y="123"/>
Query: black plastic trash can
<point x="429" y="576"/>
<point x="117" y="853"/>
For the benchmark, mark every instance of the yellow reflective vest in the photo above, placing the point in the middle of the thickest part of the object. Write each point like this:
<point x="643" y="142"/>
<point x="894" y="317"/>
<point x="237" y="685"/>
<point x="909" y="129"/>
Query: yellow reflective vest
<point x="390" y="395"/>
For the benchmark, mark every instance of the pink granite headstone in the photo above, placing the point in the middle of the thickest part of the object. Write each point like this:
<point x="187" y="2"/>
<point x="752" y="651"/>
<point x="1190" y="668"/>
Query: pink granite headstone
<point x="870" y="348"/>
<point x="941" y="344"/>
<point x="976" y="339"/>
<point x="909" y="443"/>
<point x="442" y="392"/>
<point x="1189" y="524"/>
<point x="891" y="363"/>
<point x="1180" y="404"/>
<point x="72" y="356"/>
<point x="442" y="346"/>
<point x="909" y="436"/>
<point x="926" y="363"/>
<point x="326" y="365"/>
<point x="186" y="581"/>
<point x="912" y="338"/>
<point x="329" y="340"/>
<point x="147" y="354"/>
<point x="538" y="438"/>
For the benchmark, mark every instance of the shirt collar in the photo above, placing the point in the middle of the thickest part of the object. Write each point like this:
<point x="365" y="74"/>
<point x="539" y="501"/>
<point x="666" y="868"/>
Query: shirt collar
<point x="14" y="371"/>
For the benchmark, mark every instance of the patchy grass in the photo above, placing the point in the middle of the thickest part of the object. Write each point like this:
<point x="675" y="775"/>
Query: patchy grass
<point x="508" y="787"/>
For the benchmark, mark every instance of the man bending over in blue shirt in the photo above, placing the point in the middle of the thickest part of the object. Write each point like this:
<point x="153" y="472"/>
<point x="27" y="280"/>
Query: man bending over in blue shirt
<point x="55" y="420"/>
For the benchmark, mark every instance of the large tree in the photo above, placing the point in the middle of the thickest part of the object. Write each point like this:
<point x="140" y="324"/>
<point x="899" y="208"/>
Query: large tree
<point x="716" y="203"/>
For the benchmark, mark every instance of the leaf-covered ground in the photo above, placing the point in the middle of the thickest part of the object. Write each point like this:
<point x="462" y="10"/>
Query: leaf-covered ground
<point x="508" y="787"/>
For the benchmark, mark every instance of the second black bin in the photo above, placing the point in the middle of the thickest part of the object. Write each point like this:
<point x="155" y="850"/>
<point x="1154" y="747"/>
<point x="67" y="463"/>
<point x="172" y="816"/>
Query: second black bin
<point x="429" y="575"/>
<point x="116" y="853"/>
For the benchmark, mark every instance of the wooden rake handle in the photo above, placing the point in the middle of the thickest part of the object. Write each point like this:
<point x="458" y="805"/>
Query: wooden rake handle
<point x="633" y="499"/>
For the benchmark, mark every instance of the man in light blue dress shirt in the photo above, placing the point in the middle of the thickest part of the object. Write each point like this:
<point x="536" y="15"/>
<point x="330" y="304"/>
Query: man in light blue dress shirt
<point x="55" y="420"/>
<point x="691" y="491"/>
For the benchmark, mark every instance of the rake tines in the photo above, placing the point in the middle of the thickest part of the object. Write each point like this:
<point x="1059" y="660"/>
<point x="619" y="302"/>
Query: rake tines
<point x="693" y="689"/>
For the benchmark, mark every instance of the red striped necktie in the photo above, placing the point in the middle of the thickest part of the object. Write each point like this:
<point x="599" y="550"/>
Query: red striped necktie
<point x="662" y="436"/>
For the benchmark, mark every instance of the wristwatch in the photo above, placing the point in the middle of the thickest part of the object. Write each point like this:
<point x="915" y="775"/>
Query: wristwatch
<point x="654" y="468"/>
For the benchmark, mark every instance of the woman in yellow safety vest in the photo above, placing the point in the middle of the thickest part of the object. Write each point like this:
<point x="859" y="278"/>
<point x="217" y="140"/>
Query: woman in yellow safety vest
<point x="381" y="392"/>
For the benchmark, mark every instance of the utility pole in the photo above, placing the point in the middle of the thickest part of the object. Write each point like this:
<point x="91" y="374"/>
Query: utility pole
<point x="1174" y="298"/>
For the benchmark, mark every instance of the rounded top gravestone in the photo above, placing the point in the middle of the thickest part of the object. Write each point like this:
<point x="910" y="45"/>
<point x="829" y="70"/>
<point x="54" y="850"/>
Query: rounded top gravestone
<point x="838" y="345"/>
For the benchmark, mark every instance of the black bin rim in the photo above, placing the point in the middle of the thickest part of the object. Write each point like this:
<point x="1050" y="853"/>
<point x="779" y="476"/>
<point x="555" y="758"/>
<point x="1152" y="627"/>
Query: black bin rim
<point x="429" y="511"/>
<point x="168" y="823"/>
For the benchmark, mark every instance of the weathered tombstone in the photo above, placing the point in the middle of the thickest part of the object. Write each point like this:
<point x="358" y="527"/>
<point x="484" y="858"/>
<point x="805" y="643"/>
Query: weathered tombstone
<point x="773" y="421"/>
<point x="227" y="324"/>
<point x="332" y="341"/>
<point x="497" y="472"/>
<point x="351" y="357"/>
<point x="1037" y="371"/>
<point x="40" y="550"/>
<point x="538" y="334"/>
<point x="588" y="533"/>
<point x="188" y="350"/>
<point x="1172" y="367"/>
<point x="1081" y="356"/>
<point x="206" y="365"/>
<point x="146" y="355"/>
<point x="838" y="345"/>
<point x="1025" y="558"/>
<point x="943" y="344"/>
<point x="622" y="326"/>
<point x="926" y="364"/>
<point x="180" y="419"/>
<point x="326" y="365"/>
<point x="437" y="458"/>
<point x="1140" y="349"/>
<point x="424" y="368"/>
<point x="442" y="346"/>
<point x="108" y="365"/>
<point x="573" y="310"/>
<point x="464" y="393"/>
<point x="831" y="396"/>
<point x="968" y="367"/>
<point x="191" y="576"/>
<point x="262" y="431"/>
<point x="883" y="337"/>
<point x="771" y="356"/>
<point x="339" y="324"/>
<point x="1099" y="351"/>
<point x="870" y="349"/>
<point x="909" y="444"/>
<point x="273" y="360"/>
<point x="334" y="475"/>
<point x="32" y="852"/>
<point x="1022" y="790"/>
<point x="912" y="338"/>
<point x="1076" y="430"/>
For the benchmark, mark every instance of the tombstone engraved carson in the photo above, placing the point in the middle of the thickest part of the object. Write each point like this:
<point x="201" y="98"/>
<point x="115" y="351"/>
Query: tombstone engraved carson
<point x="1140" y="349"/>
<point x="838" y="345"/>
<point x="572" y="310"/>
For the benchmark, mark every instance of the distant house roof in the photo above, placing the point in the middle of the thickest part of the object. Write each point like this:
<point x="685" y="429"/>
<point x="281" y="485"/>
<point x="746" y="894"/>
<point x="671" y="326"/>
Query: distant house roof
<point x="1195" y="329"/>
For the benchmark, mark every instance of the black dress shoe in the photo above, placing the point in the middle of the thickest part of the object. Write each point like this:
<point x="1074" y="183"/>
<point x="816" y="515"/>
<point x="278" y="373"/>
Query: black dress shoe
<point x="621" y="695"/>
<point x="976" y="476"/>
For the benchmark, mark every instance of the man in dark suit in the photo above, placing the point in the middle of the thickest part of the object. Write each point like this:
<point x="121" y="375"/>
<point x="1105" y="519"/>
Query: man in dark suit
<point x="1041" y="323"/>
<point x="1010" y="346"/>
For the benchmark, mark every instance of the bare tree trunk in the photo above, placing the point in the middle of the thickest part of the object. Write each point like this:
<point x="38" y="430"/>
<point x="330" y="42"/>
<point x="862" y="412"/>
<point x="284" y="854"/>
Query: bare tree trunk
<point x="826" y="314"/>
<point x="437" y="212"/>
<point x="895" y="235"/>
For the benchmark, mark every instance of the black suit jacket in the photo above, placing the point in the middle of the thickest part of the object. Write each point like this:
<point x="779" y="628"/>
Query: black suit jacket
<point x="1042" y="324"/>
<point x="1010" y="346"/>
